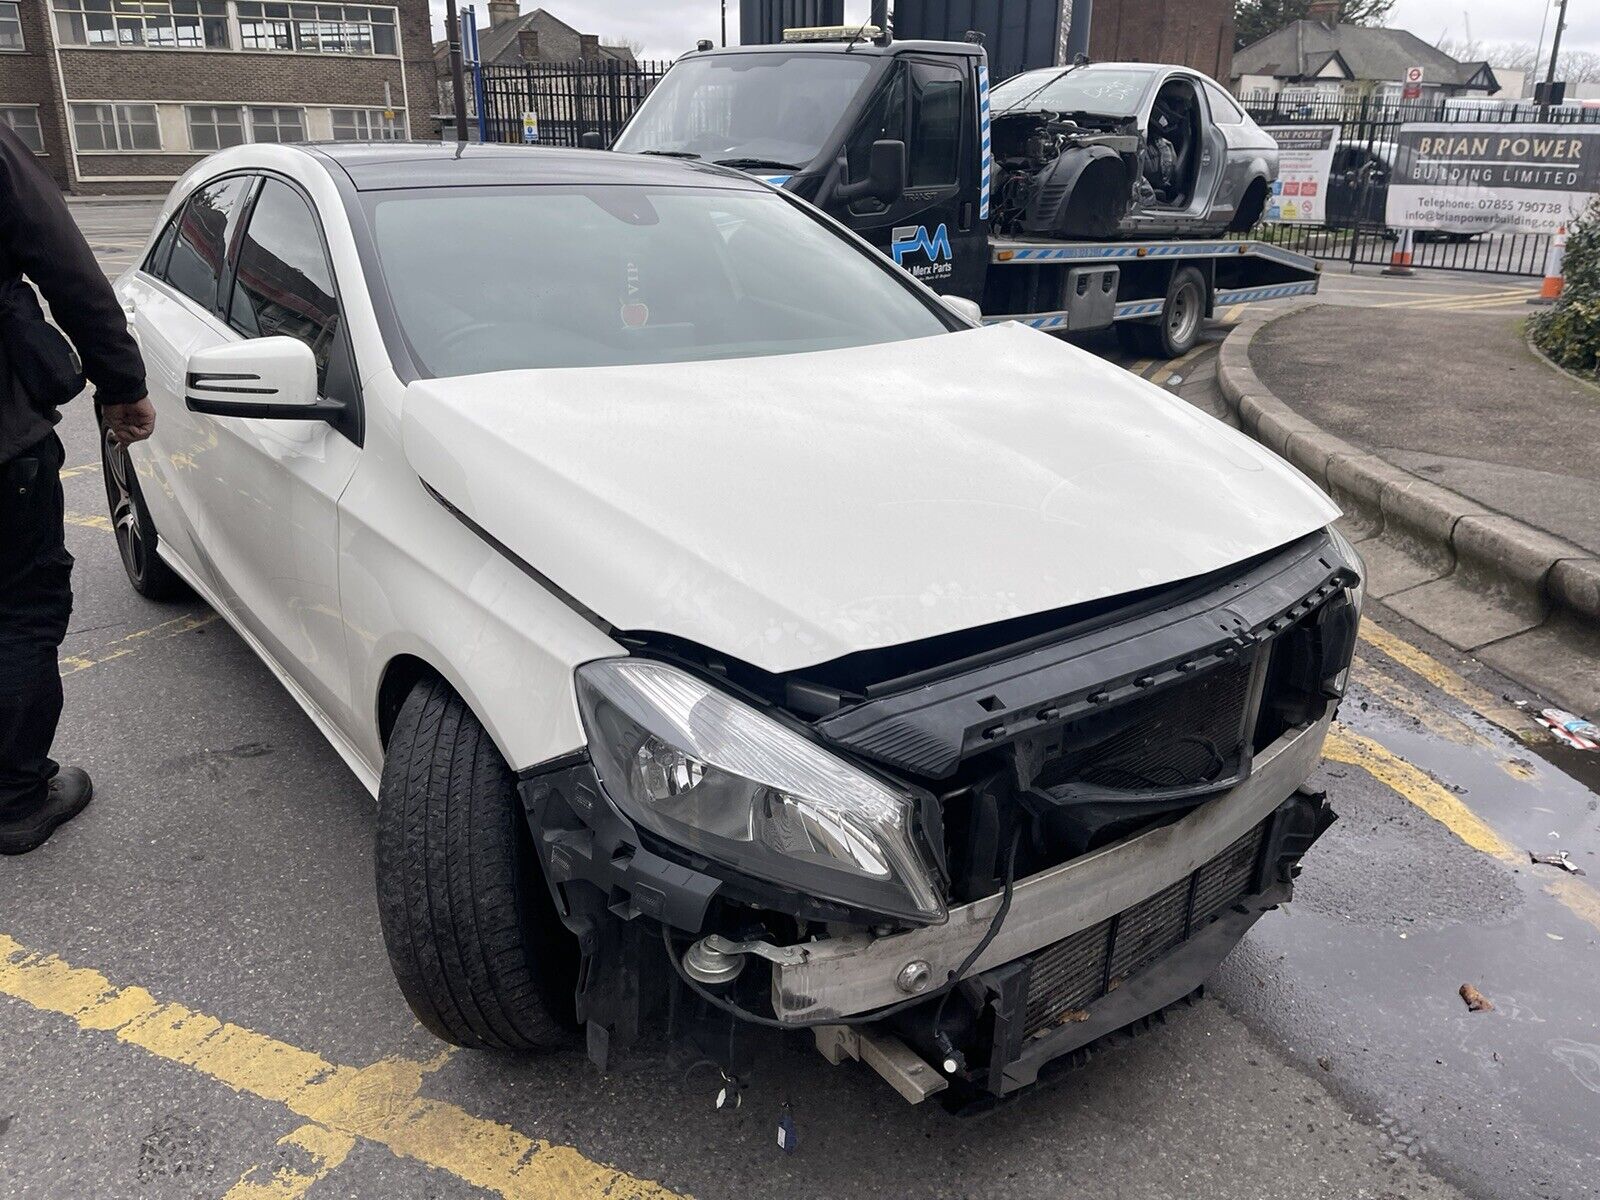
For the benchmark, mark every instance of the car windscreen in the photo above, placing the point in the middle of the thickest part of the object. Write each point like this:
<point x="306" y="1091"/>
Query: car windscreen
<point x="1108" y="91"/>
<point x="508" y="278"/>
<point x="767" y="112"/>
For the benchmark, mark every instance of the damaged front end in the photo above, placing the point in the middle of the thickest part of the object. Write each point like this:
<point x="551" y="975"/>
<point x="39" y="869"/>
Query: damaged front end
<point x="1064" y="177"/>
<point x="958" y="860"/>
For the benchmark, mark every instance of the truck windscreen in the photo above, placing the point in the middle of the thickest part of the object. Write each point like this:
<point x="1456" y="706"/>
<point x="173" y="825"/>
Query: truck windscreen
<point x="761" y="112"/>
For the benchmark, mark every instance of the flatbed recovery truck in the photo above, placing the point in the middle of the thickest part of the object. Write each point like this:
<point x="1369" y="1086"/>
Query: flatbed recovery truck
<point x="893" y="139"/>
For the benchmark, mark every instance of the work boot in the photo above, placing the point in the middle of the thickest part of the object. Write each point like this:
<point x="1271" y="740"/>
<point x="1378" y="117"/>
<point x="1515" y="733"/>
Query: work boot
<point x="31" y="827"/>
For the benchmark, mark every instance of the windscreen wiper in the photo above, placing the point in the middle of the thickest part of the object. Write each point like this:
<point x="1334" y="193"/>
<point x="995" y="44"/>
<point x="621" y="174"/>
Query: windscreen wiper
<point x="757" y="164"/>
<point x="671" y="153"/>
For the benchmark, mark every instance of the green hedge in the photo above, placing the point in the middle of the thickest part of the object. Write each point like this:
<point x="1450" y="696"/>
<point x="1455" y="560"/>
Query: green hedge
<point x="1570" y="331"/>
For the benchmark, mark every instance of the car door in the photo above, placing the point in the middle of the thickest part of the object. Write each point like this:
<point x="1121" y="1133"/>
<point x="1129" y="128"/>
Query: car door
<point x="932" y="230"/>
<point x="171" y="303"/>
<point x="270" y="520"/>
<point x="1233" y="136"/>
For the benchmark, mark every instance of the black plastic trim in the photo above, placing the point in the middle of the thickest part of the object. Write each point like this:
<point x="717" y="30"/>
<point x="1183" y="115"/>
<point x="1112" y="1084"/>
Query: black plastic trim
<point x="931" y="728"/>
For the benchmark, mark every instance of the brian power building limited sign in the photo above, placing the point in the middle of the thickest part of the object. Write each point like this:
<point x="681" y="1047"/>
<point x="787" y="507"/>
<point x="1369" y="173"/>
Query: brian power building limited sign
<point x="1492" y="178"/>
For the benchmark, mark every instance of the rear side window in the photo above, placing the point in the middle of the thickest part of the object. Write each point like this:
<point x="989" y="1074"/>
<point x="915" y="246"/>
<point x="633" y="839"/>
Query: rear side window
<point x="200" y="246"/>
<point x="284" y="284"/>
<point x="1223" y="109"/>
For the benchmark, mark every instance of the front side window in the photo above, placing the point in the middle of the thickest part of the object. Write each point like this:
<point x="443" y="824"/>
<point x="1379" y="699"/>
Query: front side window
<point x="200" y="246"/>
<point x="23" y="120"/>
<point x="158" y="24"/>
<point x="763" y="111"/>
<point x="610" y="276"/>
<point x="10" y="26"/>
<point x="214" y="127"/>
<point x="365" y="125"/>
<point x="284" y="285"/>
<point x="884" y="119"/>
<point x="937" y="91"/>
<point x="116" y="127"/>
<point x="317" y="28"/>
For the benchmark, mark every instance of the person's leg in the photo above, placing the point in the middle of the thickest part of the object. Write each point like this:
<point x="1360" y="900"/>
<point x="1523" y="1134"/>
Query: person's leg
<point x="35" y="605"/>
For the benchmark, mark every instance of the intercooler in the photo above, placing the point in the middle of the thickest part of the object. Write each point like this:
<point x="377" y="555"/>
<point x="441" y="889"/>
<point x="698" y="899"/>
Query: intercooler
<point x="1064" y="979"/>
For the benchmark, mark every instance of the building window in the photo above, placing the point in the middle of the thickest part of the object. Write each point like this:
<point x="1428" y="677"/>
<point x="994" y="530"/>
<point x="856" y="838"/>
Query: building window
<point x="365" y="125"/>
<point x="23" y="120"/>
<point x="217" y="126"/>
<point x="10" y="27"/>
<point x="116" y="127"/>
<point x="317" y="28"/>
<point x="162" y="24"/>
<point x="277" y="125"/>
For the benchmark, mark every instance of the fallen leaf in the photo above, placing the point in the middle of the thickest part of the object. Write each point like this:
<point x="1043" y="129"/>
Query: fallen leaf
<point x="1476" y="1000"/>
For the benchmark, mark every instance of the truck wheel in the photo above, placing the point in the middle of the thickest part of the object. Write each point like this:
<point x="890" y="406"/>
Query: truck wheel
<point x="472" y="932"/>
<point x="134" y="530"/>
<point x="1178" y="327"/>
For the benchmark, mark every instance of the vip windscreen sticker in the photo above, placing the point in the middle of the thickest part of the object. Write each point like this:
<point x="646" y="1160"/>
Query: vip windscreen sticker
<point x="635" y="312"/>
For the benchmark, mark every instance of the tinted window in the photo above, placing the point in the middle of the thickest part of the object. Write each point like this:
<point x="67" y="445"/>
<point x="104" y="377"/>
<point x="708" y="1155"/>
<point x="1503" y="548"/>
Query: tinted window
<point x="610" y="276"/>
<point x="201" y="246"/>
<point x="936" y="94"/>
<point x="284" y="285"/>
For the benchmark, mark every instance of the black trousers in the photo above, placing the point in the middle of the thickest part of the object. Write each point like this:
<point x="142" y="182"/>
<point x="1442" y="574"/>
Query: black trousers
<point x="35" y="605"/>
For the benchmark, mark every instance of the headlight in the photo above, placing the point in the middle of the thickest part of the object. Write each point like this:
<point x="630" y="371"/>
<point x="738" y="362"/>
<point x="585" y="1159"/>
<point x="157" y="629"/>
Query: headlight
<point x="710" y="773"/>
<point x="1358" y="594"/>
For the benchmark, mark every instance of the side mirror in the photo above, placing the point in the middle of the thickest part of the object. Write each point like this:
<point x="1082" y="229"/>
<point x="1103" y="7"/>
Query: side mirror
<point x="968" y="310"/>
<point x="592" y="139"/>
<point x="886" y="175"/>
<point x="269" y="379"/>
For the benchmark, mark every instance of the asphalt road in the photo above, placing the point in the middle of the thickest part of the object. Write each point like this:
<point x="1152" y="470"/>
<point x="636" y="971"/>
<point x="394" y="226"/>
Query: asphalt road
<point x="195" y="1001"/>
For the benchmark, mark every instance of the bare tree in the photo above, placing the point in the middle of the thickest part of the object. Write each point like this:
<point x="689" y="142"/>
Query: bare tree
<point x="634" y="45"/>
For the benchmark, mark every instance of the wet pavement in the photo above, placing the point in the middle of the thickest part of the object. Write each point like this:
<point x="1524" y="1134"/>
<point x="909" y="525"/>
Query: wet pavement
<point x="195" y="1001"/>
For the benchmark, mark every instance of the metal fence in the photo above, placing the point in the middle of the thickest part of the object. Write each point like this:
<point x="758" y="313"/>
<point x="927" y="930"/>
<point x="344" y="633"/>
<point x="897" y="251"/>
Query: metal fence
<point x="1354" y="228"/>
<point x="555" y="104"/>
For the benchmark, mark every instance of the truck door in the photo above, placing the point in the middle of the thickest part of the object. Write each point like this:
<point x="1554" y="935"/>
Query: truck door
<point x="934" y="230"/>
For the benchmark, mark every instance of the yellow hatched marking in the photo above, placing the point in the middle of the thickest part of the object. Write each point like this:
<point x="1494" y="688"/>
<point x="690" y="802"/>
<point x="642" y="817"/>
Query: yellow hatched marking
<point x="69" y="472"/>
<point x="1509" y="303"/>
<point x="1479" y="699"/>
<point x="1167" y="370"/>
<point x="320" y="1150"/>
<point x="381" y="1103"/>
<point x="71" y="664"/>
<point x="1427" y="793"/>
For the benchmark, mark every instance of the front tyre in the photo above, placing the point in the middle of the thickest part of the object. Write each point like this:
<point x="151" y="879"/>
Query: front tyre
<point x="135" y="532"/>
<point x="472" y="932"/>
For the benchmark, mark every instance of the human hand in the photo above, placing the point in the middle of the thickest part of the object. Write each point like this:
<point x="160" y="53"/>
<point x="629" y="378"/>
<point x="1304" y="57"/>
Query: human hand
<point x="130" y="422"/>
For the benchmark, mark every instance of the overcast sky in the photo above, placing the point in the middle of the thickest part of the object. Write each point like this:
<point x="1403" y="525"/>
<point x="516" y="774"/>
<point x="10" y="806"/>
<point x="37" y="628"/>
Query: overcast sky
<point x="666" y="28"/>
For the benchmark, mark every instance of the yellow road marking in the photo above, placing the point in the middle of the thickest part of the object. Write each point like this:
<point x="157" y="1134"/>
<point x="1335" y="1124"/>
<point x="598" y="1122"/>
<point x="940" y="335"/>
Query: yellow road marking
<point x="381" y="1103"/>
<point x="1140" y="365"/>
<point x="1445" y="301"/>
<point x="1432" y="717"/>
<point x="1432" y="797"/>
<point x="321" y="1150"/>
<point x="1416" y="785"/>
<point x="1168" y="369"/>
<point x="71" y="664"/>
<point x="1509" y="303"/>
<point x="89" y="521"/>
<point x="69" y="472"/>
<point x="1516" y="722"/>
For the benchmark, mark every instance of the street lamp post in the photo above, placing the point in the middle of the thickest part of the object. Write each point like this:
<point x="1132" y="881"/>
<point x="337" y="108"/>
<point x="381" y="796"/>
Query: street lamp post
<point x="724" y="22"/>
<point x="458" y="83"/>
<point x="1555" y="53"/>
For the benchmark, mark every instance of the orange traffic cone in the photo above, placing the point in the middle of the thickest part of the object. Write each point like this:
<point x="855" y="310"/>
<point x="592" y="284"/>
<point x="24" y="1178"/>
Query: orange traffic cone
<point x="1400" y="260"/>
<point x="1552" y="269"/>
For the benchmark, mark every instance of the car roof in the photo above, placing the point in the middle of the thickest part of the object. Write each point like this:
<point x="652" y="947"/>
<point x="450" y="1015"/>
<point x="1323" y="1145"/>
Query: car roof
<point x="380" y="166"/>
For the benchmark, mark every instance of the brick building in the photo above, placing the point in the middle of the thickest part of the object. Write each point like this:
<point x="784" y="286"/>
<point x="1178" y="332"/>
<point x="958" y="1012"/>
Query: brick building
<point x="123" y="96"/>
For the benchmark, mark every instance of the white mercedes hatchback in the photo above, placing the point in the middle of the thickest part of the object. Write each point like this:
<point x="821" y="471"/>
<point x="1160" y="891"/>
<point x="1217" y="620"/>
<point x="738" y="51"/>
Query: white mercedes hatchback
<point x="733" y="633"/>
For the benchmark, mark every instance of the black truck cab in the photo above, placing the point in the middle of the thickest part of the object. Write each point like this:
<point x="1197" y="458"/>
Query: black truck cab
<point x="888" y="139"/>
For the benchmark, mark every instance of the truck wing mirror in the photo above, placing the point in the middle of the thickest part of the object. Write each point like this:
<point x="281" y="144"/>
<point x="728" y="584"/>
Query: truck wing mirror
<point x="592" y="139"/>
<point x="886" y="175"/>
